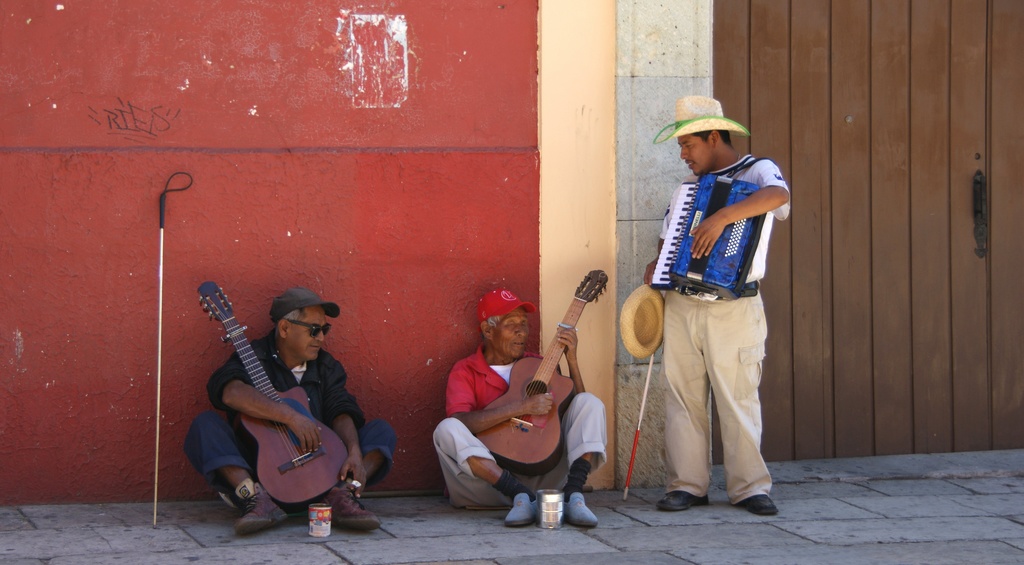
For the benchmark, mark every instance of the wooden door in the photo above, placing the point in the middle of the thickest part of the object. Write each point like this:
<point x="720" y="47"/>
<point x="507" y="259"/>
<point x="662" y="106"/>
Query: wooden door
<point x="888" y="333"/>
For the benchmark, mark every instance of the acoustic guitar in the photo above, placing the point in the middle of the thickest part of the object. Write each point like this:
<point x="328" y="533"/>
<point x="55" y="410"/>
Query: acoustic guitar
<point x="289" y="475"/>
<point x="529" y="444"/>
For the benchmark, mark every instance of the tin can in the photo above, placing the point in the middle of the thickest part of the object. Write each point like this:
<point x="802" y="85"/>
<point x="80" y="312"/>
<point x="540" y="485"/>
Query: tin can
<point x="549" y="509"/>
<point x="319" y="520"/>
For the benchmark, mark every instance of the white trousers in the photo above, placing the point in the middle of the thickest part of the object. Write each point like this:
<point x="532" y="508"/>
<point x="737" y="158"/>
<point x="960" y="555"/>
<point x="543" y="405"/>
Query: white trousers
<point x="583" y="431"/>
<point x="714" y="346"/>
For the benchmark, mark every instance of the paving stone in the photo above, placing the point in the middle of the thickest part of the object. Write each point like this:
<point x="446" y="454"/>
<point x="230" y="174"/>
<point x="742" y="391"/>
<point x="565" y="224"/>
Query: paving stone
<point x="243" y="555"/>
<point x="930" y="553"/>
<point x="70" y="516"/>
<point x="791" y="491"/>
<point x="12" y="519"/>
<point x="173" y="513"/>
<point x="526" y="542"/>
<point x="293" y="530"/>
<point x="668" y="538"/>
<point x="994" y="504"/>
<point x="905" y="530"/>
<point x="470" y="562"/>
<point x="47" y="544"/>
<point x="992" y="485"/>
<point x="916" y="487"/>
<point x="408" y="505"/>
<point x="145" y="538"/>
<point x="916" y="506"/>
<point x="644" y="557"/>
<point x="722" y="513"/>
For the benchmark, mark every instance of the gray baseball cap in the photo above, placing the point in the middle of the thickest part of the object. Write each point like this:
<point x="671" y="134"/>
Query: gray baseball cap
<point x="300" y="297"/>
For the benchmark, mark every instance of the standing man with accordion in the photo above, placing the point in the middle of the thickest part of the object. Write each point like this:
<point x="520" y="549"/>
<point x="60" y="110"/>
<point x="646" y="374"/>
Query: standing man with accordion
<point x="714" y="332"/>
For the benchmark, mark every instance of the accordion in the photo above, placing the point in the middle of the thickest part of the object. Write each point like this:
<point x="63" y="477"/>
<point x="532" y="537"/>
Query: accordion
<point x="725" y="271"/>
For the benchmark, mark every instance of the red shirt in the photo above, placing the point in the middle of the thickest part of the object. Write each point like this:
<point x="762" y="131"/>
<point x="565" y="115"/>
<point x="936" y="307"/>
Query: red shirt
<point x="473" y="384"/>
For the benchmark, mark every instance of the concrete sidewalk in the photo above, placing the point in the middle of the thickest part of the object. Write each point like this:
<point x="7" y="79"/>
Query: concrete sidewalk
<point x="950" y="508"/>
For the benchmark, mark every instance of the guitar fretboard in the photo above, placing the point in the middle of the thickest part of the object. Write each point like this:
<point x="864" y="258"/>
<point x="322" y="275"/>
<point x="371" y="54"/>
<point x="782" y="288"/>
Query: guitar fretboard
<point x="553" y="355"/>
<point x="259" y="377"/>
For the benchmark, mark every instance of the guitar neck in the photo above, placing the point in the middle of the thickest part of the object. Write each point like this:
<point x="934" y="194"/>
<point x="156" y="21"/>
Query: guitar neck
<point x="259" y="377"/>
<point x="553" y="354"/>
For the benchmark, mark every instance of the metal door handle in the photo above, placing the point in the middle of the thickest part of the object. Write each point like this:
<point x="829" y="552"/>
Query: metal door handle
<point x="980" y="214"/>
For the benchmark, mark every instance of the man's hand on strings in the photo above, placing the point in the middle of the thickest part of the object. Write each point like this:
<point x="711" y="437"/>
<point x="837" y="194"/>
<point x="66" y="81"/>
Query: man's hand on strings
<point x="307" y="431"/>
<point x="538" y="404"/>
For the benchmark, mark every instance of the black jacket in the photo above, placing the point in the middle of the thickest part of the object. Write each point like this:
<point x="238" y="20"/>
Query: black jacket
<point x="324" y="382"/>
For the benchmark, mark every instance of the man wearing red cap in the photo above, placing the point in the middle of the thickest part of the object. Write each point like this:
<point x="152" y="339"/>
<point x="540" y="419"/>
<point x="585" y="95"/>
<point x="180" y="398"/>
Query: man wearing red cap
<point x="471" y="473"/>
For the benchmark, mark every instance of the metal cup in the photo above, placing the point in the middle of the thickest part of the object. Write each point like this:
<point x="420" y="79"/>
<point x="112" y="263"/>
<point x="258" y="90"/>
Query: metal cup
<point x="549" y="508"/>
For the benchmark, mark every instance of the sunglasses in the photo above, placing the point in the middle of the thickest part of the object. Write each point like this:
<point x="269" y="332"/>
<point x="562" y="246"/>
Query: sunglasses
<point x="314" y="329"/>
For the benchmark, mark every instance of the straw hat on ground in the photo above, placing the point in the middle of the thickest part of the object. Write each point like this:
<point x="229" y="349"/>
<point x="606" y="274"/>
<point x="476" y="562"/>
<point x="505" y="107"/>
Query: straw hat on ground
<point x="642" y="321"/>
<point x="695" y="114"/>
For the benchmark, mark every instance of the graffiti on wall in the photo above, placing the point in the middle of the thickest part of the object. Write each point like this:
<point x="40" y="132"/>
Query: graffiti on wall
<point x="376" y="66"/>
<point x="134" y="122"/>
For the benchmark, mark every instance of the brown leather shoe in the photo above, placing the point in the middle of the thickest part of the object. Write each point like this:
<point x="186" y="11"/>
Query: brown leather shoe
<point x="347" y="512"/>
<point x="259" y="512"/>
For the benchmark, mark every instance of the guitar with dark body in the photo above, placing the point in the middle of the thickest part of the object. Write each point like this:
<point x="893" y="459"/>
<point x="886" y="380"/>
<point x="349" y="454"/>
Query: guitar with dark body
<point x="528" y="444"/>
<point x="289" y="475"/>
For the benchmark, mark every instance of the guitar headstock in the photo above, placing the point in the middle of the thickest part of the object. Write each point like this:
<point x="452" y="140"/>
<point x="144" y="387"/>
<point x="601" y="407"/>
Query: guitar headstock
<point x="592" y="286"/>
<point x="215" y="302"/>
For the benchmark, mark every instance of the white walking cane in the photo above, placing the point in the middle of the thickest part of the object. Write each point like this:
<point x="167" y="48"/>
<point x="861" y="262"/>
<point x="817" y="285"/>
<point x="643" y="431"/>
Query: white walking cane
<point x="636" y="437"/>
<point x="160" y="328"/>
<point x="641" y="327"/>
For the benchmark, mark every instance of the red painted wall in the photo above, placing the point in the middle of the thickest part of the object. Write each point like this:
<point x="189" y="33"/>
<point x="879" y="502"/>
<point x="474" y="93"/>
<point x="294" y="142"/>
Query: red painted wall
<point x="392" y="169"/>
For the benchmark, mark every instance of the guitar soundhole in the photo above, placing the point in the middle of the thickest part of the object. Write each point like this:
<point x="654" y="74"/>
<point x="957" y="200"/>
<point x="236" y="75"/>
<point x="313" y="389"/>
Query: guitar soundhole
<point x="536" y="387"/>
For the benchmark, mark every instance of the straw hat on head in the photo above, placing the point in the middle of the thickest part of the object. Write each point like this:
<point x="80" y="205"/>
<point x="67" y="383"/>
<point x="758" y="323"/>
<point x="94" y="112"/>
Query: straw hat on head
<point x="642" y="321"/>
<point x="695" y="114"/>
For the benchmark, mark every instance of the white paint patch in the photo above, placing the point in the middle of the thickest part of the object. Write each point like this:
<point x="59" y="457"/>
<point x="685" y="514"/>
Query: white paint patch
<point x="60" y="7"/>
<point x="19" y="346"/>
<point x="376" y="52"/>
<point x="184" y="87"/>
<point x="252" y="111"/>
<point x="289" y="233"/>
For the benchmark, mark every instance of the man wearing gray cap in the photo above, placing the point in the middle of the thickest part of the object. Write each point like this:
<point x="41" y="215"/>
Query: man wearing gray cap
<point x="292" y="355"/>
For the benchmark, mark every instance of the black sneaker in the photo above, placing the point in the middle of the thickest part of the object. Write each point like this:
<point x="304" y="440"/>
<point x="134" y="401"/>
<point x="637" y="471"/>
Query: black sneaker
<point x="759" y="504"/>
<point x="681" y="500"/>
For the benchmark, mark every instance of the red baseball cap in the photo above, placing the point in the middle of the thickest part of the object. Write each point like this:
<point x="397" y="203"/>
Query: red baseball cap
<point x="500" y="302"/>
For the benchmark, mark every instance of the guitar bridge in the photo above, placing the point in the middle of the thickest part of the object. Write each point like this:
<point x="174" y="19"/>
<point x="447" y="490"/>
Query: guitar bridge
<point x="520" y="425"/>
<point x="300" y="460"/>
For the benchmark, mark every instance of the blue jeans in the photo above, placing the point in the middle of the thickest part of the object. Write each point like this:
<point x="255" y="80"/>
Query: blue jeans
<point x="211" y="444"/>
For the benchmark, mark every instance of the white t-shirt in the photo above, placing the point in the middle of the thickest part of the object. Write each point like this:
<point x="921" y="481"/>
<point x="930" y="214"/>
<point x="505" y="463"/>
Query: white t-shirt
<point x="299" y="372"/>
<point x="504" y="371"/>
<point x="762" y="173"/>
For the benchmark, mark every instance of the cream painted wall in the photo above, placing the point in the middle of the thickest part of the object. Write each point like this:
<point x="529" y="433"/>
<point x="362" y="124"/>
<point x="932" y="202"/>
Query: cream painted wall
<point x="577" y="186"/>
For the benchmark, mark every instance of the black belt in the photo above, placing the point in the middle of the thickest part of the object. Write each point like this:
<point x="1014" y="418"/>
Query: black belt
<point x="749" y="289"/>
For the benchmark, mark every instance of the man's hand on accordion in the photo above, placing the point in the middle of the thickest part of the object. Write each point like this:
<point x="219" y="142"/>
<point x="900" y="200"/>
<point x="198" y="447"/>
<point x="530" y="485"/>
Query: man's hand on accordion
<point x="707" y="233"/>
<point x="649" y="272"/>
